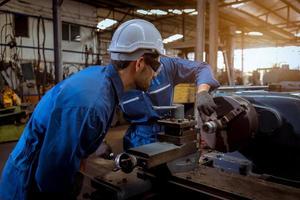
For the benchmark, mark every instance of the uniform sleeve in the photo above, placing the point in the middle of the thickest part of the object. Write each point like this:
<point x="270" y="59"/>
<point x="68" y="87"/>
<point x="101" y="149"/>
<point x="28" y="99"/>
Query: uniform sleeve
<point x="72" y="134"/>
<point x="186" y="71"/>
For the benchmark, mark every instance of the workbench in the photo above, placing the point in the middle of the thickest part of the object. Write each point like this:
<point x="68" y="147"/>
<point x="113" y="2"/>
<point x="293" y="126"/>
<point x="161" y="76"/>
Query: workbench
<point x="205" y="182"/>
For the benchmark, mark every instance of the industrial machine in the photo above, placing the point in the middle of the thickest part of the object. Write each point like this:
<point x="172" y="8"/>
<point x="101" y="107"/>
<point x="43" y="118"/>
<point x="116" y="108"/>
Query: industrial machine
<point x="254" y="139"/>
<point x="179" y="140"/>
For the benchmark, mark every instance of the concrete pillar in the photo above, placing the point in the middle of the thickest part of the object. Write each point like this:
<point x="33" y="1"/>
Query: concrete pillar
<point x="213" y="34"/>
<point x="183" y="26"/>
<point x="200" y="32"/>
<point x="242" y="56"/>
<point x="57" y="40"/>
<point x="230" y="53"/>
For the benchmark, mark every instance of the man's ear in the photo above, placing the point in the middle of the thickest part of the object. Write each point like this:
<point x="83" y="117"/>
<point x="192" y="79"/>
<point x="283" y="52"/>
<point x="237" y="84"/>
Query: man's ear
<point x="139" y="65"/>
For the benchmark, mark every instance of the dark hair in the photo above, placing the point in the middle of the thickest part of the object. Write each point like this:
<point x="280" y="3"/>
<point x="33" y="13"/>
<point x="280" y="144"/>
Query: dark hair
<point x="119" y="65"/>
<point x="149" y="60"/>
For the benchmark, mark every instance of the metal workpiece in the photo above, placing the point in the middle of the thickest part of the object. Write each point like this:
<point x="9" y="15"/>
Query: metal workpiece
<point x="176" y="110"/>
<point x="152" y="155"/>
<point x="188" y="136"/>
<point x="177" y="127"/>
<point x="178" y="140"/>
<point x="178" y="123"/>
<point x="126" y="162"/>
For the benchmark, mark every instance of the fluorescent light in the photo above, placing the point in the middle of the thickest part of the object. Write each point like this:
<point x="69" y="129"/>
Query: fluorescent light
<point x="188" y="10"/>
<point x="106" y="23"/>
<point x="194" y="13"/>
<point x="229" y="1"/>
<point x="151" y="12"/>
<point x="238" y="32"/>
<point x="255" y="33"/>
<point x="158" y="12"/>
<point x="237" y="5"/>
<point x="176" y="11"/>
<point x="173" y="38"/>
<point x="143" y="12"/>
<point x="297" y="34"/>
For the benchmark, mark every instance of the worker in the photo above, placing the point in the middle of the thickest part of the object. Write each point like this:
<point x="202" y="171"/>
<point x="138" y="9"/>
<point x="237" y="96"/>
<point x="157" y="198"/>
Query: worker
<point x="137" y="106"/>
<point x="71" y="120"/>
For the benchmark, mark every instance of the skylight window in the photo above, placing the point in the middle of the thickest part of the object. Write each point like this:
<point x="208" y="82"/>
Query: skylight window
<point x="104" y="24"/>
<point x="237" y="5"/>
<point x="194" y="13"/>
<point x="188" y="10"/>
<point x="173" y="38"/>
<point x="297" y="34"/>
<point x="158" y="12"/>
<point x="144" y="12"/>
<point x="152" y="12"/>
<point x="163" y="12"/>
<point x="175" y="11"/>
<point x="255" y="33"/>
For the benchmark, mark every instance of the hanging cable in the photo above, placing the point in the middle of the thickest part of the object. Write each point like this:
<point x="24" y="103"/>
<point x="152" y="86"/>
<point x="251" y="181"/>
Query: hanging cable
<point x="44" y="81"/>
<point x="33" y="43"/>
<point x="38" y="81"/>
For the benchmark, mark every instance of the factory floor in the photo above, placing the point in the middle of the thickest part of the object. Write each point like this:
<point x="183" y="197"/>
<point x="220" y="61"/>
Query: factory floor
<point x="114" y="138"/>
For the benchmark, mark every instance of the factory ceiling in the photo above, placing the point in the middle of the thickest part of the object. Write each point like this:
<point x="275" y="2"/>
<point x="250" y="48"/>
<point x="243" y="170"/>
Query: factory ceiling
<point x="258" y="23"/>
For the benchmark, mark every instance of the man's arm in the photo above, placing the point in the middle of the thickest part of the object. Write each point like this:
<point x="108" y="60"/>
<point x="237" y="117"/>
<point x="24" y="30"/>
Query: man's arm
<point x="203" y="87"/>
<point x="186" y="71"/>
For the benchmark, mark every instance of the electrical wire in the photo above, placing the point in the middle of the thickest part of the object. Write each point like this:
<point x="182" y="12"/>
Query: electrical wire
<point x="44" y="57"/>
<point x="33" y="43"/>
<point x="38" y="84"/>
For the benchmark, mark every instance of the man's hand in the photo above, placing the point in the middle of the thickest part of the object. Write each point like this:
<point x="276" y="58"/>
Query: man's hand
<point x="205" y="103"/>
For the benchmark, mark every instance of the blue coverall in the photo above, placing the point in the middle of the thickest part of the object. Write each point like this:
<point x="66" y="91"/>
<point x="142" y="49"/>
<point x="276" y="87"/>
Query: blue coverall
<point x="68" y="124"/>
<point x="137" y="105"/>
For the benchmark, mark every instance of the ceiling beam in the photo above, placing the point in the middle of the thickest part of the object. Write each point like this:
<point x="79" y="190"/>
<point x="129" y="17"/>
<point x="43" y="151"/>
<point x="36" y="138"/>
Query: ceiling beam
<point x="266" y="13"/>
<point x="154" y="4"/>
<point x="246" y="24"/>
<point x="291" y="5"/>
<point x="267" y="25"/>
<point x="257" y="2"/>
<point x="232" y="3"/>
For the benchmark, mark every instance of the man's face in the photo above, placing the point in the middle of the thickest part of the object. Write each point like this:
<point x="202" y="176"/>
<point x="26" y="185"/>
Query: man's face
<point x="148" y="66"/>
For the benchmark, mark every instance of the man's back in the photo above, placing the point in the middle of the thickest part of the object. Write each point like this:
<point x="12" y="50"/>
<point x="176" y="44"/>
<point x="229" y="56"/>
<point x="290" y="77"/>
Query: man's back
<point x="67" y="125"/>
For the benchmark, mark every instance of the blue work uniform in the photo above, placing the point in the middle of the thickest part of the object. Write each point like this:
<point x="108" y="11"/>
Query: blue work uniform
<point x="68" y="124"/>
<point x="137" y="106"/>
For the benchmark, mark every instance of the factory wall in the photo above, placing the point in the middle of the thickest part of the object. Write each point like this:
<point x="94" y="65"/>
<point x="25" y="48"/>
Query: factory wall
<point x="71" y="12"/>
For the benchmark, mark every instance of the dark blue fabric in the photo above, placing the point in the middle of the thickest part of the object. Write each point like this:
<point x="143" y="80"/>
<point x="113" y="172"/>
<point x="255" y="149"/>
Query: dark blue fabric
<point x="137" y="105"/>
<point x="138" y="134"/>
<point x="68" y="124"/>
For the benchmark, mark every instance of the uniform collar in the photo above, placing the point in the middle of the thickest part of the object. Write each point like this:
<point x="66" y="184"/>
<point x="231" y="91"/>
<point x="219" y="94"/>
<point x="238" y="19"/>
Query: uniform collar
<point x="116" y="80"/>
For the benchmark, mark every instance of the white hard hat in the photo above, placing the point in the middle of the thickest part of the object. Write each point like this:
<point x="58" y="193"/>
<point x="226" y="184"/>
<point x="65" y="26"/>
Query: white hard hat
<point x="134" y="38"/>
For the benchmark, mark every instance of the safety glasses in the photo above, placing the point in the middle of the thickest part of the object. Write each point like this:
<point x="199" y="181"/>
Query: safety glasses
<point x="153" y="61"/>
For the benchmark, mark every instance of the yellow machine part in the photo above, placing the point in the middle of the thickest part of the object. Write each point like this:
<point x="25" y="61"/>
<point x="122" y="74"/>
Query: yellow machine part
<point x="10" y="98"/>
<point x="12" y="123"/>
<point x="184" y="93"/>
